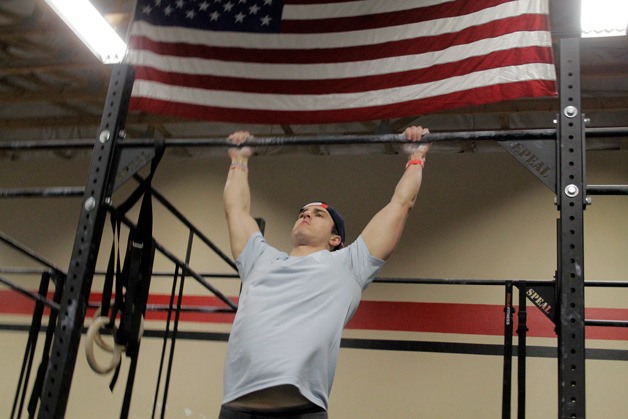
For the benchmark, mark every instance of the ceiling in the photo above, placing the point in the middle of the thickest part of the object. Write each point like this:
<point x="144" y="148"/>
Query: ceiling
<point x="53" y="88"/>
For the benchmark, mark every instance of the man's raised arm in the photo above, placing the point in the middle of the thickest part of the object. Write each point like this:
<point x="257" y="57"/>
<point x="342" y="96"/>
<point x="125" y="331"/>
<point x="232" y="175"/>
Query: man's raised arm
<point x="237" y="195"/>
<point x="383" y="232"/>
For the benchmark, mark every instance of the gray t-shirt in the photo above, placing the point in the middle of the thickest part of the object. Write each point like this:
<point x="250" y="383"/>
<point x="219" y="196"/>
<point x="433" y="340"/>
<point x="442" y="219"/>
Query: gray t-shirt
<point x="290" y="318"/>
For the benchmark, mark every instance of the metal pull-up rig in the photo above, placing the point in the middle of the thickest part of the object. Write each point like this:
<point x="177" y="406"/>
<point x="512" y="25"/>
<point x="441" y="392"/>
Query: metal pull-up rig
<point x="555" y="156"/>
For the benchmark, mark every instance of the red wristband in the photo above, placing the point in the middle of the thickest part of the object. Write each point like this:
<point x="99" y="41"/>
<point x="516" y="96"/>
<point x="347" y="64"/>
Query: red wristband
<point x="416" y="161"/>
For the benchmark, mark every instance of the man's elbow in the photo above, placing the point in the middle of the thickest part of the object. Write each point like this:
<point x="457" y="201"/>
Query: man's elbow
<point x="404" y="203"/>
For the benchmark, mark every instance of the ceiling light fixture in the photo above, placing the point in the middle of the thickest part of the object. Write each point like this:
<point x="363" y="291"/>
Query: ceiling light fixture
<point x="92" y="28"/>
<point x="604" y="18"/>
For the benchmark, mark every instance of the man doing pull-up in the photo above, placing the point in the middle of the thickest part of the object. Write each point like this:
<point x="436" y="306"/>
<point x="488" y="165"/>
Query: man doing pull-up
<point x="285" y="338"/>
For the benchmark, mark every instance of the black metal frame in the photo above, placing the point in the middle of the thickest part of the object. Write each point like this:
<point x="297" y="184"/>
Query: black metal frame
<point x="571" y="201"/>
<point x="508" y="328"/>
<point x="568" y="184"/>
<point x="87" y="240"/>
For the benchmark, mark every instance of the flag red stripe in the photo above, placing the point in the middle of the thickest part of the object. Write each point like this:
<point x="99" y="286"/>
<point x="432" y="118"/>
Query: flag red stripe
<point x="352" y="84"/>
<point x="387" y="19"/>
<point x="450" y="318"/>
<point x="488" y="94"/>
<point x="344" y="54"/>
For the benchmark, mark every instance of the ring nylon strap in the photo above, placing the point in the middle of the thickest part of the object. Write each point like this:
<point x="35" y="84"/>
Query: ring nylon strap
<point x="132" y="283"/>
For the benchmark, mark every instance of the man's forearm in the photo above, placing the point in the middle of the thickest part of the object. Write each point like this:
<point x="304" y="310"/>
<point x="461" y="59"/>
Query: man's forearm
<point x="408" y="186"/>
<point x="237" y="202"/>
<point x="237" y="194"/>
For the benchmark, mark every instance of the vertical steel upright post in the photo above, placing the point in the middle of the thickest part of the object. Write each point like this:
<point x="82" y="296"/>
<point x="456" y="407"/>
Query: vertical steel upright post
<point x="98" y="189"/>
<point x="571" y="201"/>
<point x="507" y="374"/>
<point x="522" y="352"/>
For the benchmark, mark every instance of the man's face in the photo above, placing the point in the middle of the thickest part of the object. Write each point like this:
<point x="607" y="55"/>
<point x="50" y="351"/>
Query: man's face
<point x="313" y="226"/>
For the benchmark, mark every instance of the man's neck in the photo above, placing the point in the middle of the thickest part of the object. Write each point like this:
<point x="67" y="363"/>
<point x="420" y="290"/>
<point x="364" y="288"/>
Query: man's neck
<point x="304" y="250"/>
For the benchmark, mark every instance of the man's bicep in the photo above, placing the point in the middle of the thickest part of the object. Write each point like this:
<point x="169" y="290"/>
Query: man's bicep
<point x="383" y="232"/>
<point x="241" y="227"/>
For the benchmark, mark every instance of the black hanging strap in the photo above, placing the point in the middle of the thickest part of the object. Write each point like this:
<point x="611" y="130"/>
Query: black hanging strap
<point x="131" y="279"/>
<point x="31" y="345"/>
<point x="111" y="272"/>
<point x="138" y="267"/>
<point x="138" y="262"/>
<point x="43" y="366"/>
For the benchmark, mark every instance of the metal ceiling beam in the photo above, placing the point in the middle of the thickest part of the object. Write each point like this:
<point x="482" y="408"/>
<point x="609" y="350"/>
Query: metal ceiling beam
<point x="75" y="95"/>
<point x="619" y="104"/>
<point x="50" y="67"/>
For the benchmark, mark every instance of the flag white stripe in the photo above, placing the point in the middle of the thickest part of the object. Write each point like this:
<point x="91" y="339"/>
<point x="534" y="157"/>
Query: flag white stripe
<point x="196" y="66"/>
<point x="352" y="8"/>
<point x="335" y="40"/>
<point x="278" y="102"/>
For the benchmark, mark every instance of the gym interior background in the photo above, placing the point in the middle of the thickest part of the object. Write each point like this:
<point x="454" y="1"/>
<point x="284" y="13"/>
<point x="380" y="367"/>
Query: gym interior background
<point x="479" y="216"/>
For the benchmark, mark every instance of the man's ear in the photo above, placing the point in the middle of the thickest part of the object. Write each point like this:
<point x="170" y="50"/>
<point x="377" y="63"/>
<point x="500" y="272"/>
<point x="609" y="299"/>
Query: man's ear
<point x="334" y="241"/>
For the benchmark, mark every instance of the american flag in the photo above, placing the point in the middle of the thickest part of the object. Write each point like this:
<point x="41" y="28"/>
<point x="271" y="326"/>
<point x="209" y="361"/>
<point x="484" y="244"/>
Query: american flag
<point x="325" y="61"/>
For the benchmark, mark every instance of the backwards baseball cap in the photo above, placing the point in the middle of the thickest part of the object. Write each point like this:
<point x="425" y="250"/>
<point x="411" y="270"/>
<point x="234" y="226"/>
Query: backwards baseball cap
<point x="339" y="222"/>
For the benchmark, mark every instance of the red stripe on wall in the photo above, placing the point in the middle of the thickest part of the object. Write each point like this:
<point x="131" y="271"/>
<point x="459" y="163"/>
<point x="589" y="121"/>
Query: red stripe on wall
<point x="449" y="318"/>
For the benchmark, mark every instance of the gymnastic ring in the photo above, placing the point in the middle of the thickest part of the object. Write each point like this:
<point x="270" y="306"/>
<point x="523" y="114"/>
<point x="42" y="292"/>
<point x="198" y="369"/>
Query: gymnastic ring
<point x="92" y="332"/>
<point x="104" y="345"/>
<point x="98" y="337"/>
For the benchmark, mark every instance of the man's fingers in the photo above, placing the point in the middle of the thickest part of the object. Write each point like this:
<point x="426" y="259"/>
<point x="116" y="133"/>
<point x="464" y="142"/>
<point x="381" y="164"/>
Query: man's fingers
<point x="415" y="133"/>
<point x="239" y="137"/>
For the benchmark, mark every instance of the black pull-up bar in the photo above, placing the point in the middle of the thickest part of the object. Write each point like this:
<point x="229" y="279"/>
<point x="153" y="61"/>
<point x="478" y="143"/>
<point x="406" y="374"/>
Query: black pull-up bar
<point x="336" y="139"/>
<point x="341" y="139"/>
